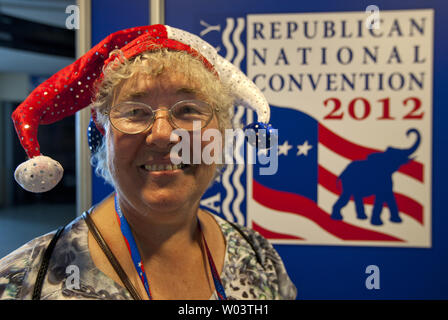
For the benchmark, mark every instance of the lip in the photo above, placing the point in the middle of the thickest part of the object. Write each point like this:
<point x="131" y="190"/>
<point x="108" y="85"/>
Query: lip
<point x="156" y="173"/>
<point x="159" y="161"/>
<point x="169" y="173"/>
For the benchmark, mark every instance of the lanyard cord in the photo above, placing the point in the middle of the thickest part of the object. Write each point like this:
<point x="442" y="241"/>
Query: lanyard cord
<point x="216" y="279"/>
<point x="132" y="247"/>
<point x="138" y="262"/>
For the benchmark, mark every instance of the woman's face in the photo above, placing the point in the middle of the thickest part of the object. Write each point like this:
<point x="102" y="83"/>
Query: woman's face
<point x="130" y="155"/>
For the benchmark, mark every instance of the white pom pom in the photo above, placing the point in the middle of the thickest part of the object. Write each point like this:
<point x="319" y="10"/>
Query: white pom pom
<point x="39" y="174"/>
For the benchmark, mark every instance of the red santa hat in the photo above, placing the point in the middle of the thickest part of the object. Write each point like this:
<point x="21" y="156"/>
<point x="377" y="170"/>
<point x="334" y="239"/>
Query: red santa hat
<point x="71" y="89"/>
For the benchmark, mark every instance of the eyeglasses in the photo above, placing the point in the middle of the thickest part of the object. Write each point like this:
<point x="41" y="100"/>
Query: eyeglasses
<point x="136" y="117"/>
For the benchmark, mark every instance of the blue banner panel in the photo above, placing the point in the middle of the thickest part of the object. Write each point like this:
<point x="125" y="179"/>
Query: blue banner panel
<point x="109" y="16"/>
<point x="356" y="92"/>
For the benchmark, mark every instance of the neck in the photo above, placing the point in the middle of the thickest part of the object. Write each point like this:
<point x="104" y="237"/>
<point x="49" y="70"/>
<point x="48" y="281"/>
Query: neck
<point x="163" y="234"/>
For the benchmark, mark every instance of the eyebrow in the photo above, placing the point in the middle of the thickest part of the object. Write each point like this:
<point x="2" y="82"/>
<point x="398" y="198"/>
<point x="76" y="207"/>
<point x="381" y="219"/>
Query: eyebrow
<point x="142" y="93"/>
<point x="135" y="94"/>
<point x="187" y="90"/>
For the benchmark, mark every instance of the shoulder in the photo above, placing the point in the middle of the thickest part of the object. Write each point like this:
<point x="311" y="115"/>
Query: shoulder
<point x="16" y="266"/>
<point x="18" y="270"/>
<point x="252" y="257"/>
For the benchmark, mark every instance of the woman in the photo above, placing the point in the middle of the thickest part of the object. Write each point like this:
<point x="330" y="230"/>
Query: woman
<point x="150" y="239"/>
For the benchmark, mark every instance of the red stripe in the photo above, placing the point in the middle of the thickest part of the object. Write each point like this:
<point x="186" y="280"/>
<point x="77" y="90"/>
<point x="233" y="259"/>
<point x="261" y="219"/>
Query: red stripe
<point x="409" y="206"/>
<point x="296" y="204"/>
<point x="273" y="235"/>
<point x="345" y="148"/>
<point x="413" y="169"/>
<point x="127" y="245"/>
<point x="354" y="151"/>
<point x="118" y="219"/>
<point x="405" y="204"/>
<point x="329" y="181"/>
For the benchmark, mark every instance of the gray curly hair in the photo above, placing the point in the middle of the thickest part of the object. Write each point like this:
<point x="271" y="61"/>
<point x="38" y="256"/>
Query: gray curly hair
<point x="153" y="64"/>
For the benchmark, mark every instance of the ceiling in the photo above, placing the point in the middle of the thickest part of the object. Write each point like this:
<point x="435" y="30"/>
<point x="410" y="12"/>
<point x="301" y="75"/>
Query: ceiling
<point x="50" y="12"/>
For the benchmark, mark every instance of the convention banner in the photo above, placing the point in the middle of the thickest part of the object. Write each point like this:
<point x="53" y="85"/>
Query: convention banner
<point x="351" y="97"/>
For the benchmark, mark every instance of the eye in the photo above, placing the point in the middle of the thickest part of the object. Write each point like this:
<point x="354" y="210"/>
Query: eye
<point x="188" y="109"/>
<point x="135" y="112"/>
<point x="191" y="110"/>
<point x="131" y="111"/>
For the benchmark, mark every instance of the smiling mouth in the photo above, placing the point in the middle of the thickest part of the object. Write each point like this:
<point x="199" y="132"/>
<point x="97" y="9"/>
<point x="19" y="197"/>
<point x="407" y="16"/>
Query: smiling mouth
<point x="164" y="167"/>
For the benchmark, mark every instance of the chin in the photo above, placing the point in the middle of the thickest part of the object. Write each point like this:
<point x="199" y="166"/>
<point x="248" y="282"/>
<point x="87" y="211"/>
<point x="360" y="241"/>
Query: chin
<point x="165" y="201"/>
<point x="166" y="194"/>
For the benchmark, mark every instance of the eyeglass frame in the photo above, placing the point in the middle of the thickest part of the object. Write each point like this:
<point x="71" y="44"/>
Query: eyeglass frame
<point x="154" y="114"/>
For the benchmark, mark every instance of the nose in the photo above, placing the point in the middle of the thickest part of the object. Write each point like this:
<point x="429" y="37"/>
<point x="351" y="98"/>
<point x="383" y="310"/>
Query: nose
<point x="160" y="131"/>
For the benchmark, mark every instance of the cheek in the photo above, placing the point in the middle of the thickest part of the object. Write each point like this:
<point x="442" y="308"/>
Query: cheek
<point x="121" y="151"/>
<point x="111" y="157"/>
<point x="211" y="149"/>
<point x="212" y="142"/>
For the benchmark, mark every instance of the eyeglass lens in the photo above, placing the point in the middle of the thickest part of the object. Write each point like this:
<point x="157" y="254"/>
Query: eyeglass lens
<point x="135" y="117"/>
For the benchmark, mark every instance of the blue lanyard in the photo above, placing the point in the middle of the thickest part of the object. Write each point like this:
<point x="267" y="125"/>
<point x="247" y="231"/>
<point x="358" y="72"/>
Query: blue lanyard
<point x="138" y="262"/>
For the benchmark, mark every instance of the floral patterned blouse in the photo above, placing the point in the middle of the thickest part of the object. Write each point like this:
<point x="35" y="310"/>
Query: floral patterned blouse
<point x="249" y="272"/>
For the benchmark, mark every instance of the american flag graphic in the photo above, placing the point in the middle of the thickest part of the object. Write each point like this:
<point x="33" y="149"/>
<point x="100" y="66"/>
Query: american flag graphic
<point x="310" y="159"/>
